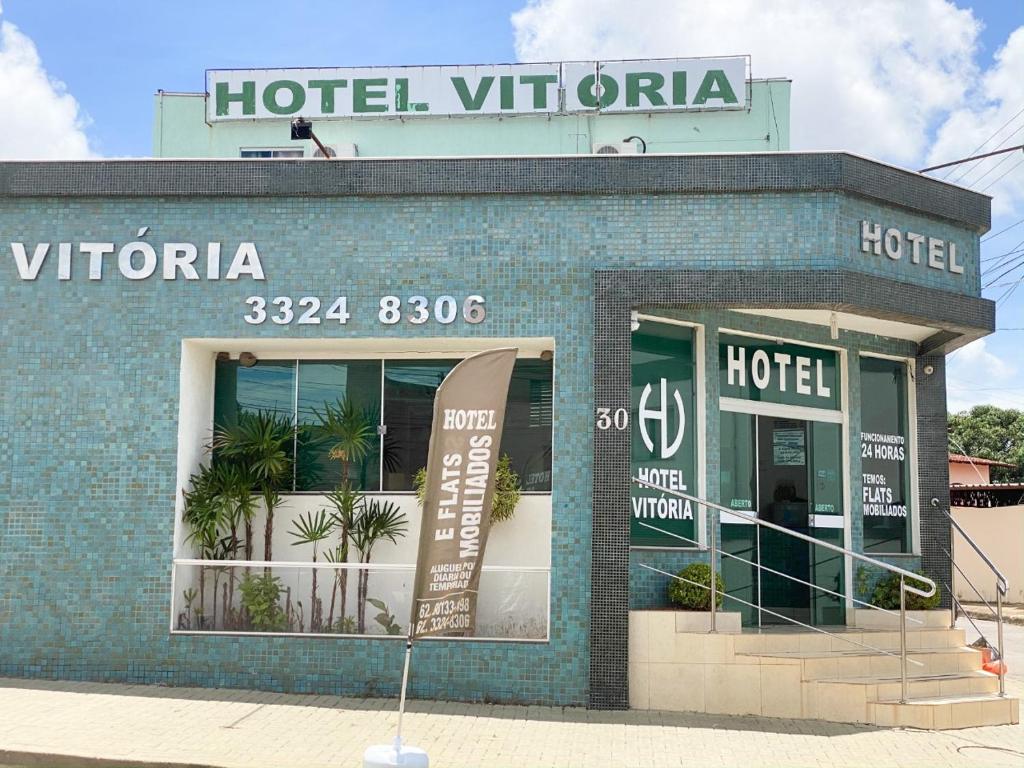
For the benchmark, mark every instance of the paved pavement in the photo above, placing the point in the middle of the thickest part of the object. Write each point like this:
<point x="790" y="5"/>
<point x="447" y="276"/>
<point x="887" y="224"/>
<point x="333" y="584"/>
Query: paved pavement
<point x="123" y="724"/>
<point x="1013" y="613"/>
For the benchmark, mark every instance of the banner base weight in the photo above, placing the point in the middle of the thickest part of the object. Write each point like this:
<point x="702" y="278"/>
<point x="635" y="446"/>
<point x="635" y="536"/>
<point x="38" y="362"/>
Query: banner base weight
<point x="386" y="756"/>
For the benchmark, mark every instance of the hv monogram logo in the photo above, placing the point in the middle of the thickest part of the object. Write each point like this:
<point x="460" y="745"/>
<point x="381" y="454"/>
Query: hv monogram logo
<point x="661" y="415"/>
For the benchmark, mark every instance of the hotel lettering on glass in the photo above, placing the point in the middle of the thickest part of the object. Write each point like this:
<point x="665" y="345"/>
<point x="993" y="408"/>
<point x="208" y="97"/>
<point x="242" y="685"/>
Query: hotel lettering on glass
<point x="663" y="435"/>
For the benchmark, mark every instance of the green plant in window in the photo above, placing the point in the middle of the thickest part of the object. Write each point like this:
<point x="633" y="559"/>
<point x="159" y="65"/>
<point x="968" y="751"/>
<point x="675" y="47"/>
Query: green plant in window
<point x="262" y="444"/>
<point x="348" y="505"/>
<point x="379" y="520"/>
<point x="507" y="489"/>
<point x="385" y="618"/>
<point x="691" y="591"/>
<point x="218" y="498"/>
<point x="261" y="597"/>
<point x="887" y="594"/>
<point x="348" y="431"/>
<point x="312" y="529"/>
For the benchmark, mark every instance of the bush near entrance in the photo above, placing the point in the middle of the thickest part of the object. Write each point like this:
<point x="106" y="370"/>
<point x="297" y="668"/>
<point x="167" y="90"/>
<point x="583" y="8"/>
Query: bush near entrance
<point x="887" y="595"/>
<point x="690" y="596"/>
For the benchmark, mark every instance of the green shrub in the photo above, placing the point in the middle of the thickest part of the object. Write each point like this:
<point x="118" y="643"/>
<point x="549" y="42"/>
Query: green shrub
<point x="260" y="600"/>
<point x="507" y="489"/>
<point x="887" y="594"/>
<point x="690" y="597"/>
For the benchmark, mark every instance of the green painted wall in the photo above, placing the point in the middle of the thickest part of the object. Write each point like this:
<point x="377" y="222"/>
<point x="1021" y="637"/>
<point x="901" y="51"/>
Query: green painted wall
<point x="180" y="130"/>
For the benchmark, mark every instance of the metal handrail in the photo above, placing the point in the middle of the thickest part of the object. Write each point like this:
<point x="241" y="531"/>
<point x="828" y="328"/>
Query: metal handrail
<point x="714" y="552"/>
<point x="759" y="566"/>
<point x="779" y="615"/>
<point x="1002" y="587"/>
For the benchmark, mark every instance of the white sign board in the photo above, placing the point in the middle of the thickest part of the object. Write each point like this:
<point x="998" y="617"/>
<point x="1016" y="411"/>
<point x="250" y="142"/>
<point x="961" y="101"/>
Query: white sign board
<point x="500" y="89"/>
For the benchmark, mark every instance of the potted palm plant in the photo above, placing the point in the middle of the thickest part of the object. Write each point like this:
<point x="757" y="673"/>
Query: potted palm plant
<point x="379" y="520"/>
<point x="348" y="432"/>
<point x="312" y="529"/>
<point x="262" y="443"/>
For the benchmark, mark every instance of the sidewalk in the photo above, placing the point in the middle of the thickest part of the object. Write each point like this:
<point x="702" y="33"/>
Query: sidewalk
<point x="200" y="727"/>
<point x="1013" y="613"/>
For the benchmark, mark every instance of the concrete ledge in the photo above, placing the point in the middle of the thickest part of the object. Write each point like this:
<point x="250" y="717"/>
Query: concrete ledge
<point x="727" y="622"/>
<point x="558" y="174"/>
<point x="867" y="618"/>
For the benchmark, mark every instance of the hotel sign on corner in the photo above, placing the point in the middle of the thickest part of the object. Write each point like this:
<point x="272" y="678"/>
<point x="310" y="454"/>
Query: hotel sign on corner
<point x="657" y="85"/>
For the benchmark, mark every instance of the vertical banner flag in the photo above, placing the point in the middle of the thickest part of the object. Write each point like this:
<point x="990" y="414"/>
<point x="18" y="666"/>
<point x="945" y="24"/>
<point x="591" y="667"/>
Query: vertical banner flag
<point x="469" y="412"/>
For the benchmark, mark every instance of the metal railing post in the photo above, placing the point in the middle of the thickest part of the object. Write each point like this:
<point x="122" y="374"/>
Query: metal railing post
<point x="903" y="640"/>
<point x="713" y="538"/>
<point x="954" y="614"/>
<point x="999" y="632"/>
<point x="757" y="528"/>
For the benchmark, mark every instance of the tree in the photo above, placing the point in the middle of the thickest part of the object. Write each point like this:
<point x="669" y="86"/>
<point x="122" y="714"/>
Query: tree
<point x="991" y="433"/>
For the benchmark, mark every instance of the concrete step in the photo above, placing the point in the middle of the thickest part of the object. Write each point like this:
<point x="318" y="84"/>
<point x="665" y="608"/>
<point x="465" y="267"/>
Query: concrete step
<point x="823" y="665"/>
<point x="889" y="688"/>
<point x="853" y="701"/>
<point x="845" y="639"/>
<point x="870" y="618"/>
<point x="946" y="712"/>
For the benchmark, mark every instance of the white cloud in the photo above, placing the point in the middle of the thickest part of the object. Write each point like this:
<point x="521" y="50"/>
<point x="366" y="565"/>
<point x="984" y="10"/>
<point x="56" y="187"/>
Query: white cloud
<point x="40" y="119"/>
<point x="873" y="76"/>
<point x="977" y="376"/>
<point x="997" y="100"/>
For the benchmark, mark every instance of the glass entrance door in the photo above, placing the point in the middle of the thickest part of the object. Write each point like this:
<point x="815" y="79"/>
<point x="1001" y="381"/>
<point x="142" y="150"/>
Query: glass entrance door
<point x="783" y="498"/>
<point x="788" y="472"/>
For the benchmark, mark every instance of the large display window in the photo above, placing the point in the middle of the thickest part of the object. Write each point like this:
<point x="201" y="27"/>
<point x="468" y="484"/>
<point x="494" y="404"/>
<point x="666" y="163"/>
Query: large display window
<point x="885" y="445"/>
<point x="397" y="398"/>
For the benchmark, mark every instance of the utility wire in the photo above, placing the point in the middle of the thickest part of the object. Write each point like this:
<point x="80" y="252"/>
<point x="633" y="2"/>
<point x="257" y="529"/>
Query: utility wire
<point x="1009" y="267"/>
<point x="998" y="178"/>
<point x="1002" y="160"/>
<point x="968" y="159"/>
<point x="1001" y="231"/>
<point x="994" y="133"/>
<point x="1001" y="259"/>
<point x="968" y="171"/>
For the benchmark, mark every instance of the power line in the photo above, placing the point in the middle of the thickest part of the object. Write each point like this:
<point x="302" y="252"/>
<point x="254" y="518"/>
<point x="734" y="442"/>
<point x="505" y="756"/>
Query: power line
<point x="1011" y="170"/>
<point x="1010" y="267"/>
<point x="1015" y="250"/>
<point x="1001" y="231"/>
<point x="996" y="131"/>
<point x="991" y="168"/>
<point x="975" y="157"/>
<point x="968" y="171"/>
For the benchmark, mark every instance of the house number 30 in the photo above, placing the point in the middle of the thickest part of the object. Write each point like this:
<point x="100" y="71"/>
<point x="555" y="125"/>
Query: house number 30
<point x="606" y="418"/>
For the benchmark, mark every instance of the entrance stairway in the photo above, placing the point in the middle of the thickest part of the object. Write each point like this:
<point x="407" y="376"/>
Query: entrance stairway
<point x="887" y="667"/>
<point x="794" y="672"/>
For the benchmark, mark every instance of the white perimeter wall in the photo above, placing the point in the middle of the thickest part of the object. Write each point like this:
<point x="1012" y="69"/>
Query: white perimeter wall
<point x="999" y="531"/>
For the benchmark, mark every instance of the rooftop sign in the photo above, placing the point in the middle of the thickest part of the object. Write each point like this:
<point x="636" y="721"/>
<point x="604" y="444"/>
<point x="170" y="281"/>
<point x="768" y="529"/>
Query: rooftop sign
<point x="659" y="85"/>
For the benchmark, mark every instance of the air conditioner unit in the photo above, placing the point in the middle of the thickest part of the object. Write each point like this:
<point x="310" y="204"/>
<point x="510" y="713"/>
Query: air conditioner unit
<point x="616" y="148"/>
<point x="337" y="150"/>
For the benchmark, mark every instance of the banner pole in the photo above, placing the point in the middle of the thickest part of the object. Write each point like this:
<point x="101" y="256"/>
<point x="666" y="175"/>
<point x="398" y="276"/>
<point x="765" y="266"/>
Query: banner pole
<point x="405" y="684"/>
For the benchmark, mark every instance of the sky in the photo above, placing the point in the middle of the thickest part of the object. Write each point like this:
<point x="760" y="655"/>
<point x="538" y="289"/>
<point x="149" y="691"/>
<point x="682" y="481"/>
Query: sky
<point x="910" y="82"/>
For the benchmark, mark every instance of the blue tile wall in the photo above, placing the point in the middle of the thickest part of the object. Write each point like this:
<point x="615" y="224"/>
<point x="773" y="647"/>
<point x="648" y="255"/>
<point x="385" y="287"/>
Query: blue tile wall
<point x="88" y="417"/>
